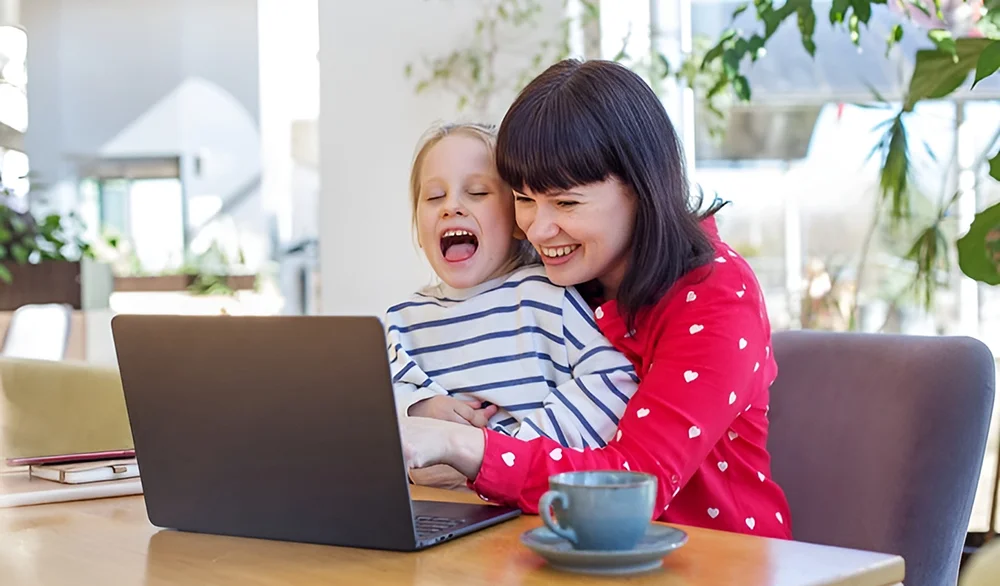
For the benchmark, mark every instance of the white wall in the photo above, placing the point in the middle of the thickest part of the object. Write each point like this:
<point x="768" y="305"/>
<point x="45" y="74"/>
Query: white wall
<point x="147" y="77"/>
<point x="370" y="121"/>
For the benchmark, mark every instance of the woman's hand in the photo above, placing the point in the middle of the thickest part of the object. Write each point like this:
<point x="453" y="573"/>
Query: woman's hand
<point x="431" y="441"/>
<point x="451" y="409"/>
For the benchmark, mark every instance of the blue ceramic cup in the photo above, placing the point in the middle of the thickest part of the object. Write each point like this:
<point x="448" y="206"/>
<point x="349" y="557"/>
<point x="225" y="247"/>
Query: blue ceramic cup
<point x="599" y="510"/>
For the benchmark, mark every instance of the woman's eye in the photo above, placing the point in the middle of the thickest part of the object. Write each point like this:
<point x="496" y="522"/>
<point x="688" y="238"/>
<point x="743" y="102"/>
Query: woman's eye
<point x="522" y="199"/>
<point x="567" y="204"/>
<point x="434" y="196"/>
<point x="479" y="193"/>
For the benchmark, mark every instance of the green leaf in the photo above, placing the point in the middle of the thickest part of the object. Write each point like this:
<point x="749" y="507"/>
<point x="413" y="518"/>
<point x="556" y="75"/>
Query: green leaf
<point x="894" y="177"/>
<point x="979" y="249"/>
<point x="807" y="26"/>
<point x="995" y="167"/>
<point x="862" y="9"/>
<point x="895" y="35"/>
<point x="742" y="88"/>
<point x="919" y="5"/>
<point x="937" y="74"/>
<point x="20" y="253"/>
<point x="19" y="225"/>
<point x="943" y="40"/>
<point x="5" y="275"/>
<point x="739" y="10"/>
<point x="731" y="63"/>
<point x="754" y="46"/>
<point x="988" y="62"/>
<point x="838" y="10"/>
<point x="665" y="68"/>
<point x="718" y="87"/>
<point x="720" y="47"/>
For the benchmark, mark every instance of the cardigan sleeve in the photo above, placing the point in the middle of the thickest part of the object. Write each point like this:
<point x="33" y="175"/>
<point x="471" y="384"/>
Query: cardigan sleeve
<point x="584" y="410"/>
<point x="709" y="342"/>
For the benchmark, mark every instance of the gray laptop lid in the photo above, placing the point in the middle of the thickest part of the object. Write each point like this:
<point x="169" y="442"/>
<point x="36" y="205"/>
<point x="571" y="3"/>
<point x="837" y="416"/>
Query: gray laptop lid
<point x="274" y="427"/>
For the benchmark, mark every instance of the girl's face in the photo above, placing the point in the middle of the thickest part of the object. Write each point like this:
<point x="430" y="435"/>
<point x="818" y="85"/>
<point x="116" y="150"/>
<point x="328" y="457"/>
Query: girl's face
<point x="464" y="213"/>
<point x="583" y="233"/>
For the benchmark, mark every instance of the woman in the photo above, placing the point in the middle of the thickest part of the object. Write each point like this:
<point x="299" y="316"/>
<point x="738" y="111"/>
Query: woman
<point x="601" y="193"/>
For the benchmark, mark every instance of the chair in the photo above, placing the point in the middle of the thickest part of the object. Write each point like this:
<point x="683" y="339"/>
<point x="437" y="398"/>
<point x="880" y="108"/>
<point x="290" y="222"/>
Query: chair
<point x="39" y="332"/>
<point x="878" y="442"/>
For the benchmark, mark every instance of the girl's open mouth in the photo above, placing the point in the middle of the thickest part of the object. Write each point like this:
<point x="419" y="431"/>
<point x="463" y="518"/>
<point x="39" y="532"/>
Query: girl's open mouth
<point x="458" y="245"/>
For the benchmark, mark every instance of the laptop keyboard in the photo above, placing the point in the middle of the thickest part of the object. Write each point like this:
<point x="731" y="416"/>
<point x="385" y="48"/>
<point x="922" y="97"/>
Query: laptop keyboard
<point x="428" y="525"/>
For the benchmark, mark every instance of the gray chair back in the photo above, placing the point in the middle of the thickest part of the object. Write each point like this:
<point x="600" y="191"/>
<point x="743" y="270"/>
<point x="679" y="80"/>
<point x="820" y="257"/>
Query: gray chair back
<point x="878" y="442"/>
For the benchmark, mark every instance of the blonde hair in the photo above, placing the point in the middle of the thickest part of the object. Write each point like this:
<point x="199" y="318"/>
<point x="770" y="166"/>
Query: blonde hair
<point x="523" y="253"/>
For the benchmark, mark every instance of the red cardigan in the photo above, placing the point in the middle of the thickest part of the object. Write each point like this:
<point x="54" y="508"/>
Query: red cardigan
<point x="698" y="420"/>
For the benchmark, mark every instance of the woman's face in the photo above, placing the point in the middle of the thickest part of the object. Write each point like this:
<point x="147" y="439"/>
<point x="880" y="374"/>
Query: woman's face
<point x="583" y="233"/>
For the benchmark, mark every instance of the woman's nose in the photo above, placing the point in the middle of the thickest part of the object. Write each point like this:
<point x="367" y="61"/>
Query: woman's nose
<point x="541" y="229"/>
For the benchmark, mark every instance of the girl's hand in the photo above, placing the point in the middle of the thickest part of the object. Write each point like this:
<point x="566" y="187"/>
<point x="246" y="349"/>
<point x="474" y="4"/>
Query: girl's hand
<point x="451" y="409"/>
<point x="427" y="442"/>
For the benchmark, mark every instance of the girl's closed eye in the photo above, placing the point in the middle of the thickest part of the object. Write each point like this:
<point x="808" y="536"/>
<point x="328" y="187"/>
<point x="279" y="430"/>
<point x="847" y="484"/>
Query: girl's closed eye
<point x="522" y="198"/>
<point x="567" y="203"/>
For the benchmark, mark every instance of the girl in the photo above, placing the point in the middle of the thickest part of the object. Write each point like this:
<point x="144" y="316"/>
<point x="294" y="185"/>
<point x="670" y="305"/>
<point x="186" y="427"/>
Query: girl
<point x="599" y="178"/>
<point x="496" y="344"/>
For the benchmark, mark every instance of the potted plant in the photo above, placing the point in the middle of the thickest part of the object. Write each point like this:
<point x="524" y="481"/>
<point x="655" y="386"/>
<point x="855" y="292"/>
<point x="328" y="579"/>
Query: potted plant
<point x="39" y="257"/>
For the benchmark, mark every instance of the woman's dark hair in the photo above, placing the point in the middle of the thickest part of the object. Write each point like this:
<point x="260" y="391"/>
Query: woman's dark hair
<point x="581" y="122"/>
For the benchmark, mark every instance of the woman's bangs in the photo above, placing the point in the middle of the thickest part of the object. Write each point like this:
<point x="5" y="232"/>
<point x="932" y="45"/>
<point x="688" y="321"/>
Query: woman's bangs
<point x="549" y="146"/>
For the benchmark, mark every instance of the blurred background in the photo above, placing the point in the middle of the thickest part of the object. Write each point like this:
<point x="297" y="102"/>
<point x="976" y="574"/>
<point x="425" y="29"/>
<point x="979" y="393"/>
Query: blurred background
<point x="251" y="156"/>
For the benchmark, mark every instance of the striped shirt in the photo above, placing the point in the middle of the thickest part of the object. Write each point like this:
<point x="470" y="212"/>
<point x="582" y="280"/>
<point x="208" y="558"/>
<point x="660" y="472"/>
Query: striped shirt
<point x="519" y="342"/>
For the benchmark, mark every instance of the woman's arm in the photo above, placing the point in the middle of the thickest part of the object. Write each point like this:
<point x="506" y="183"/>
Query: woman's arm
<point x="707" y="353"/>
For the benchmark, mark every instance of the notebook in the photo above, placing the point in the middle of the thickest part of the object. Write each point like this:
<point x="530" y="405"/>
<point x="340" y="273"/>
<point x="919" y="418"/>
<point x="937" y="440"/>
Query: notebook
<point x="84" y="472"/>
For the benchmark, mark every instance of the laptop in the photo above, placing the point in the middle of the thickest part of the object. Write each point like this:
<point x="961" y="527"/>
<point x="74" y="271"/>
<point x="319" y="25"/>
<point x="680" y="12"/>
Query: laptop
<point x="276" y="427"/>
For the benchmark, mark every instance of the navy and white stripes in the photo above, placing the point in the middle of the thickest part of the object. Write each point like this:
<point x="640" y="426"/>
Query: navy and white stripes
<point x="528" y="346"/>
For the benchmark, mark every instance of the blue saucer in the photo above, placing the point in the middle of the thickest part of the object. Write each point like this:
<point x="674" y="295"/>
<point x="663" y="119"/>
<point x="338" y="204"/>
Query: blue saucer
<point x="647" y="555"/>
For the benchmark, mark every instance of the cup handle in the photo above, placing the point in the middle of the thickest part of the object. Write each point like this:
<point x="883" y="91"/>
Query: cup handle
<point x="545" y="512"/>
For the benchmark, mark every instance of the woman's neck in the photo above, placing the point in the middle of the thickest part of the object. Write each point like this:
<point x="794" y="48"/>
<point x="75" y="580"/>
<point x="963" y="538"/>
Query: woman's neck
<point x="612" y="280"/>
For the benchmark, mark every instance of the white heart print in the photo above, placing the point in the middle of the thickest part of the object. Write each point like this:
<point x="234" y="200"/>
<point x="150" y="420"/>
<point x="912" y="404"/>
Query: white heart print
<point x="732" y="397"/>
<point x="599" y="313"/>
<point x="713" y="512"/>
<point x="619" y="436"/>
<point x="625" y="466"/>
<point x="508" y="458"/>
<point x="779" y="518"/>
<point x="723" y="466"/>
<point x="740" y="294"/>
<point x="743" y="343"/>
<point x="719" y="259"/>
<point x="733" y="435"/>
<point x="756" y="366"/>
<point x="691" y="296"/>
<point x="642" y="413"/>
<point x="761" y="476"/>
<point x="556" y="454"/>
<point x="694" y="432"/>
<point x="751" y="523"/>
<point x="690" y="375"/>
<point x="694" y="329"/>
<point x="732" y="254"/>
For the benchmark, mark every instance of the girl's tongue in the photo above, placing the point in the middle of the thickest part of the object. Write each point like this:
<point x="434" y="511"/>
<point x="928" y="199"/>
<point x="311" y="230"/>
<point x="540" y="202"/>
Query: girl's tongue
<point x="459" y="252"/>
<point x="459" y="248"/>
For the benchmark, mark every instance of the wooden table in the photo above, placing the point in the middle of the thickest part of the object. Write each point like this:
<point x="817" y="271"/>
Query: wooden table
<point x="110" y="541"/>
